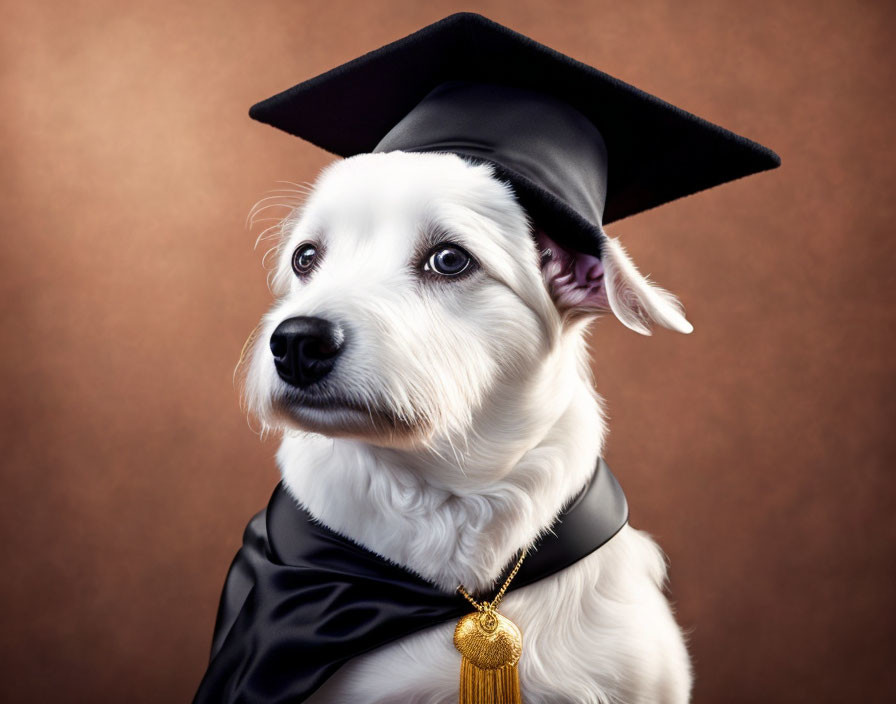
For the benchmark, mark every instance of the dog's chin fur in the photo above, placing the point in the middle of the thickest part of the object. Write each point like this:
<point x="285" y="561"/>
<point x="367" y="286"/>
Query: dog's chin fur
<point x="460" y="419"/>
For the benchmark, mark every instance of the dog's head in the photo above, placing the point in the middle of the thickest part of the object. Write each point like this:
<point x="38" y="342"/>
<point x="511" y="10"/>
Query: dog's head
<point x="412" y="290"/>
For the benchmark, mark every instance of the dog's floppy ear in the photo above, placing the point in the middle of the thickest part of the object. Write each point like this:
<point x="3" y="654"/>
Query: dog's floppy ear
<point x="582" y="283"/>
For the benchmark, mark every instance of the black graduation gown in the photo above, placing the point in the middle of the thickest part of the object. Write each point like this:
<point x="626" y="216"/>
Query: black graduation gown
<point x="300" y="600"/>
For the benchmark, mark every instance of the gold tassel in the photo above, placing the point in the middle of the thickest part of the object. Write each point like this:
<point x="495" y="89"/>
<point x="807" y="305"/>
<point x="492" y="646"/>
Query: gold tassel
<point x="490" y="646"/>
<point x="501" y="686"/>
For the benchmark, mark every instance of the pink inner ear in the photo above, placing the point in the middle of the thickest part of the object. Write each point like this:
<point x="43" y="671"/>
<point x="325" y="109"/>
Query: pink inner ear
<point x="573" y="278"/>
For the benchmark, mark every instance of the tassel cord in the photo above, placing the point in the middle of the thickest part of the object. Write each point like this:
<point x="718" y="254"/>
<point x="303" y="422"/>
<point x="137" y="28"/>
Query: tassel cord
<point x="493" y="605"/>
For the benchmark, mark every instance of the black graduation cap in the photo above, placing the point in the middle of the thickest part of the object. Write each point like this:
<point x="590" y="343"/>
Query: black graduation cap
<point x="580" y="147"/>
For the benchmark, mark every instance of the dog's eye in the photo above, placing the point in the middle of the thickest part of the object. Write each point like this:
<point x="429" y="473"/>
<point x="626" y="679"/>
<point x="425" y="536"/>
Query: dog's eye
<point x="448" y="260"/>
<point x="303" y="258"/>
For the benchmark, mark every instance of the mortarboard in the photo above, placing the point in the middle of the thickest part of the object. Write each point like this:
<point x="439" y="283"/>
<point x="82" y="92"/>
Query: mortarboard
<point x="580" y="147"/>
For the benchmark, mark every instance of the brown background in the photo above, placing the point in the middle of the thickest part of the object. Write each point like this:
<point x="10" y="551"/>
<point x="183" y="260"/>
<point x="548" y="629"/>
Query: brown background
<point x="759" y="450"/>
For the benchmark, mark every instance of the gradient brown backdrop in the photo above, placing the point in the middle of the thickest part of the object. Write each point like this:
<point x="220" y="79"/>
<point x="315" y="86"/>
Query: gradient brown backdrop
<point x="759" y="450"/>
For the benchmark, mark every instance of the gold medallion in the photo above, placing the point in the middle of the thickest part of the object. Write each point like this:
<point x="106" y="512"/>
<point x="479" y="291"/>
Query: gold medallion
<point x="488" y="640"/>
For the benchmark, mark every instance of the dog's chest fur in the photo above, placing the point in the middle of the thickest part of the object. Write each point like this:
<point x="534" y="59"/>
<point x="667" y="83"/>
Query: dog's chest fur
<point x="599" y="631"/>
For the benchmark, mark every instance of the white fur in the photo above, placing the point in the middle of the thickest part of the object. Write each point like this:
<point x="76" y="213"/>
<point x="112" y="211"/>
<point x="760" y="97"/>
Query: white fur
<point x="482" y="423"/>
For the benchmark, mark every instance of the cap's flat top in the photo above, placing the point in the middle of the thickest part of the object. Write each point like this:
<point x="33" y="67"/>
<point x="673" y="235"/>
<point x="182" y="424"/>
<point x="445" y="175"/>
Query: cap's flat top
<point x="657" y="152"/>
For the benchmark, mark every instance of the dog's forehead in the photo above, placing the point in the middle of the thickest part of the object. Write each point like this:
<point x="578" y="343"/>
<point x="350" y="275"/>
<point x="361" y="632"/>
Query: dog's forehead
<point x="395" y="176"/>
<point x="403" y="193"/>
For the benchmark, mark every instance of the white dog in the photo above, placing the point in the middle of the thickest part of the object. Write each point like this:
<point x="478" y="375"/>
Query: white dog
<point x="444" y="414"/>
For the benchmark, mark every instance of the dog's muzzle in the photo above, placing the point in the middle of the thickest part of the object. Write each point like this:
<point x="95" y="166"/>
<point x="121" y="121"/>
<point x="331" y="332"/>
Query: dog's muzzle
<point x="305" y="349"/>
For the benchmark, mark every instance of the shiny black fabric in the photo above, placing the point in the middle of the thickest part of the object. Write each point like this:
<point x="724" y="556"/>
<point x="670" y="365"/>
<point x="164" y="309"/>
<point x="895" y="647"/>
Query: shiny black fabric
<point x="300" y="600"/>
<point x="552" y="154"/>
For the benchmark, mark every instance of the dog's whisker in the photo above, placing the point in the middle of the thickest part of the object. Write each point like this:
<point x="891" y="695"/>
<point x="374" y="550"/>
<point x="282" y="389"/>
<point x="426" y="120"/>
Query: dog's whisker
<point x="251" y="219"/>
<point x="283" y="200"/>
<point x="265" y="234"/>
<point x="303" y="191"/>
<point x="303" y="185"/>
<point x="279" y="227"/>
<point x="272" y="219"/>
<point x="275" y="249"/>
<point x="282" y="196"/>
<point x="253" y="336"/>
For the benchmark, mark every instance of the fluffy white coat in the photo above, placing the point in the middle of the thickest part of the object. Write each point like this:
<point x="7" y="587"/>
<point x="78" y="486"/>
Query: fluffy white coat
<point x="480" y="423"/>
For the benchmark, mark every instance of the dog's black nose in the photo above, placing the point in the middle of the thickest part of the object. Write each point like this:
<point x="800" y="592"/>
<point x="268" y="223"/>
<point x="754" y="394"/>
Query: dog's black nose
<point x="305" y="349"/>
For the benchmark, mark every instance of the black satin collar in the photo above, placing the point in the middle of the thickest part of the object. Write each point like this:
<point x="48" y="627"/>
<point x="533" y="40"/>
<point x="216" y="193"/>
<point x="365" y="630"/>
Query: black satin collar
<point x="300" y="600"/>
